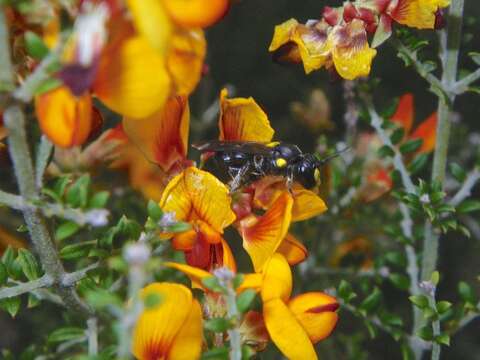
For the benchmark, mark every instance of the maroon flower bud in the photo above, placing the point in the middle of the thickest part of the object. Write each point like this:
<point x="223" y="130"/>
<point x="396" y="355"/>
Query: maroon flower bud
<point x="349" y="12"/>
<point x="330" y="15"/>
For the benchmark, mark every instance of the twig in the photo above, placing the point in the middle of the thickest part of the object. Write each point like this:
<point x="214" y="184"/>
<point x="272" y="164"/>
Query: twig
<point x="234" y="333"/>
<point x="95" y="217"/>
<point x="466" y="188"/>
<point x="376" y="122"/>
<point x="419" y="66"/>
<point x="43" y="155"/>
<point x="6" y="68"/>
<point x="92" y="336"/>
<point x="23" y="288"/>
<point x="462" y="85"/>
<point x="73" y="277"/>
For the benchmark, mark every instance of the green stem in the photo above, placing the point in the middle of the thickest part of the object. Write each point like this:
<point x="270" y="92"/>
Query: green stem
<point x="6" y="68"/>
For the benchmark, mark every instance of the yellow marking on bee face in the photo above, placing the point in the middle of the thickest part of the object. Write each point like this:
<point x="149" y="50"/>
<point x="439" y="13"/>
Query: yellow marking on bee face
<point x="316" y="175"/>
<point x="280" y="162"/>
<point x="273" y="144"/>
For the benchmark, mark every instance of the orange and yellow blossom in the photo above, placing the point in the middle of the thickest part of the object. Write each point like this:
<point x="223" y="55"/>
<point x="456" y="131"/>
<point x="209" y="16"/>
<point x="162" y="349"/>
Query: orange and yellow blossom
<point x="420" y="14"/>
<point x="171" y="330"/>
<point x="317" y="44"/>
<point x="294" y="324"/>
<point x="199" y="198"/>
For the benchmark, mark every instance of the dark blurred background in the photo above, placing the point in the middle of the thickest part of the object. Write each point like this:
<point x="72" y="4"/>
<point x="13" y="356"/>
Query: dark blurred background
<point x="238" y="56"/>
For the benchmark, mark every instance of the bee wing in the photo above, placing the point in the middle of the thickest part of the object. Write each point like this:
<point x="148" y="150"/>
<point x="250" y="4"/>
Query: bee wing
<point x="248" y="147"/>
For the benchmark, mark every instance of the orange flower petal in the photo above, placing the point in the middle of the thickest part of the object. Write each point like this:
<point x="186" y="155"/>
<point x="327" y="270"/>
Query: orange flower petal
<point x="427" y="131"/>
<point x="157" y="328"/>
<point x="315" y="311"/>
<point x="187" y="345"/>
<point x="351" y="53"/>
<point x="405" y="112"/>
<point x="286" y="332"/>
<point x="185" y="240"/>
<point x="64" y="119"/>
<point x="419" y="14"/>
<point x="185" y="59"/>
<point x="196" y="275"/>
<point x="163" y="136"/>
<point x="242" y="119"/>
<point x="132" y="79"/>
<point x="196" y="13"/>
<point x="262" y="235"/>
<point x="152" y="21"/>
<point x="196" y="194"/>
<point x="306" y="204"/>
<point x="293" y="250"/>
<point x="277" y="279"/>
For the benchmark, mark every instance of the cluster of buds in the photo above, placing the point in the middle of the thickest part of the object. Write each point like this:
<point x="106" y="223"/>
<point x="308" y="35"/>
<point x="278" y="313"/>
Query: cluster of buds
<point x="339" y="40"/>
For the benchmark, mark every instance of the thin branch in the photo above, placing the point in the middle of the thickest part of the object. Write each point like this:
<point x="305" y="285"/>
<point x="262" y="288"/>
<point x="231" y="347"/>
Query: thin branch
<point x="422" y="70"/>
<point x="376" y="122"/>
<point x="95" y="217"/>
<point x="92" y="336"/>
<point x="466" y="190"/>
<point x="43" y="155"/>
<point x="462" y="85"/>
<point x="73" y="277"/>
<point x="22" y="288"/>
<point x="6" y="68"/>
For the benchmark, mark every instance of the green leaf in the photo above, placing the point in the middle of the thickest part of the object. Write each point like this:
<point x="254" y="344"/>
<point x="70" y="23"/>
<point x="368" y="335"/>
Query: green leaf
<point x="11" y="305"/>
<point x="218" y="325"/>
<point x="3" y="274"/>
<point x="426" y="333"/>
<point x="178" y="227"/>
<point x="29" y="264"/>
<point x="443" y="306"/>
<point x="100" y="298"/>
<point x="372" y="301"/>
<point x="47" y="85"/>
<point x="35" y="46"/>
<point x="468" y="206"/>
<point x="99" y="200"/>
<point x="410" y="146"/>
<point x="475" y="56"/>
<point x="66" y="334"/>
<point x="420" y="301"/>
<point x="77" y="194"/>
<point x="396" y="258"/>
<point x="218" y="353"/>
<point x="418" y="163"/>
<point x="400" y="281"/>
<point x="245" y="300"/>
<point x="75" y="251"/>
<point x="466" y="293"/>
<point x="237" y="280"/>
<point x="397" y="136"/>
<point x="65" y="230"/>
<point x="443" y="339"/>
<point x="345" y="291"/>
<point x="435" y="278"/>
<point x="33" y="301"/>
<point x="371" y="329"/>
<point x="458" y="173"/>
<point x="8" y="257"/>
<point x="61" y="185"/>
<point x="154" y="211"/>
<point x="213" y="284"/>
<point x="385" y="151"/>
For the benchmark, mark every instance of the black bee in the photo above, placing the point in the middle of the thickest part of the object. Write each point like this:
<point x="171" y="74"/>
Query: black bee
<point x="245" y="162"/>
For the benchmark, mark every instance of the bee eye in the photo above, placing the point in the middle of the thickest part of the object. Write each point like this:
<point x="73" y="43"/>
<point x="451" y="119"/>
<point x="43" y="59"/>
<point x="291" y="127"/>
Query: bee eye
<point x="280" y="163"/>
<point x="316" y="175"/>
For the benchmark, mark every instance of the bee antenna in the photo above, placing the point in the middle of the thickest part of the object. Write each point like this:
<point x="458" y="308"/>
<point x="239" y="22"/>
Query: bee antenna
<point x="323" y="161"/>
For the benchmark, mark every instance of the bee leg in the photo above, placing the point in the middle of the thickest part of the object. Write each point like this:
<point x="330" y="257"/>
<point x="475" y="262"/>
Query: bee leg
<point x="237" y="178"/>
<point x="290" y="179"/>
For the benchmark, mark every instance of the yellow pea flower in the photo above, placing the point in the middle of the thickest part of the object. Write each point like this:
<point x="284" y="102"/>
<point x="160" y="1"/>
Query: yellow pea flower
<point x="171" y="330"/>
<point x="419" y="14"/>
<point x="294" y="324"/>
<point x="199" y="198"/>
